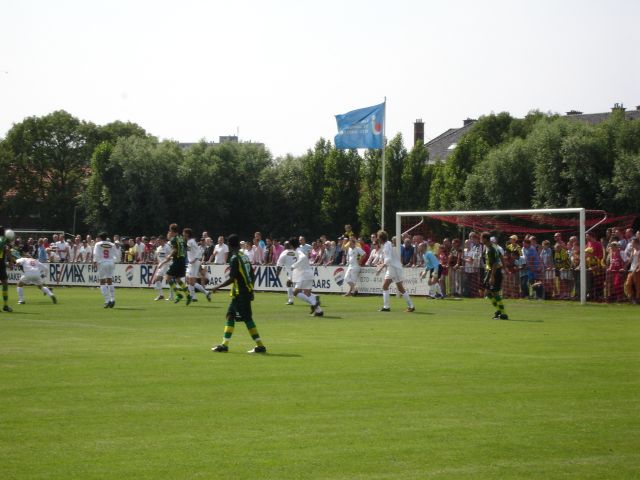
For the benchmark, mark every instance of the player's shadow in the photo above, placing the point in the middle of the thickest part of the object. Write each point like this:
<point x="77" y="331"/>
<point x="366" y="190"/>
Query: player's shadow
<point x="328" y="316"/>
<point x="130" y="308"/>
<point x="285" y="355"/>
<point x="522" y="320"/>
<point x="15" y="312"/>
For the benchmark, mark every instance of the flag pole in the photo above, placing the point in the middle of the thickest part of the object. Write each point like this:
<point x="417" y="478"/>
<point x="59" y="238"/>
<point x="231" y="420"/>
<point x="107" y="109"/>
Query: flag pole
<point x="384" y="132"/>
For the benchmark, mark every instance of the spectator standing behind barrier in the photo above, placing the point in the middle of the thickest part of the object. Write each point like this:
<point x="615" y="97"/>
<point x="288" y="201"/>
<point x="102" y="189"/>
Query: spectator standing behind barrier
<point x="220" y="252"/>
<point x="406" y="253"/>
<point x="632" y="284"/>
<point x="456" y="263"/>
<point x="562" y="267"/>
<point x="615" y="272"/>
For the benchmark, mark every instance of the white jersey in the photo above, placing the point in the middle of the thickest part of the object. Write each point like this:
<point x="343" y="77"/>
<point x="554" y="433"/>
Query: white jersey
<point x="390" y="256"/>
<point x="220" y="253"/>
<point x="62" y="249"/>
<point x="194" y="251"/>
<point x="302" y="270"/>
<point x="104" y="252"/>
<point x="31" y="267"/>
<point x="354" y="255"/>
<point x="286" y="259"/>
<point x="162" y="252"/>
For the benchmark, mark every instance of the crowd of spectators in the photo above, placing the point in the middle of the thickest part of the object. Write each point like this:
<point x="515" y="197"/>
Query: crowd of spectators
<point x="543" y="270"/>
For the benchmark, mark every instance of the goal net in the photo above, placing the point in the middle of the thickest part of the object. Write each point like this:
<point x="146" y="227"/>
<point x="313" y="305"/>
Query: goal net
<point x="547" y="253"/>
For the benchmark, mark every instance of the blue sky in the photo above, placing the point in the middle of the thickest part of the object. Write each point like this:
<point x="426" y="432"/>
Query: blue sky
<point x="280" y="70"/>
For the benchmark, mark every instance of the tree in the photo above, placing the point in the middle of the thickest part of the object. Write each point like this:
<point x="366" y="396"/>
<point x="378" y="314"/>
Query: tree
<point x="51" y="159"/>
<point x="340" y="194"/>
<point x="396" y="157"/>
<point x="370" y="191"/>
<point x="415" y="179"/>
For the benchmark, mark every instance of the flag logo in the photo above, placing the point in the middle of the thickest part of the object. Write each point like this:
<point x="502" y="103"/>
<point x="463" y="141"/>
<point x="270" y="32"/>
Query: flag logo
<point x="362" y="128"/>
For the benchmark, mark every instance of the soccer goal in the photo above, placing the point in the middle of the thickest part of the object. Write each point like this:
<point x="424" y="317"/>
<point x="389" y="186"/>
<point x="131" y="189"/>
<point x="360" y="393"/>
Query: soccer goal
<point x="511" y="228"/>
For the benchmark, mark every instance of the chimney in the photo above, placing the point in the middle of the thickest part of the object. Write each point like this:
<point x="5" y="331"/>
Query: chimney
<point x="418" y="131"/>
<point x="574" y="112"/>
<point x="618" y="106"/>
<point x="467" y="121"/>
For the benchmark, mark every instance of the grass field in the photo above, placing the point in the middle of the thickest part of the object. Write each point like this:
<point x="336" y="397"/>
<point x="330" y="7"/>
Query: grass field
<point x="445" y="392"/>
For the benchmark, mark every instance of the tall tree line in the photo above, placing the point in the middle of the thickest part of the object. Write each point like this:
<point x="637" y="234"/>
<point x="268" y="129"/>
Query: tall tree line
<point x="118" y="178"/>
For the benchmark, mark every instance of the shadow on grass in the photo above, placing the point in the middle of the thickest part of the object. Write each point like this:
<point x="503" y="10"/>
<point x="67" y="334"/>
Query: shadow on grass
<point x="522" y="320"/>
<point x="129" y="308"/>
<point x="285" y="355"/>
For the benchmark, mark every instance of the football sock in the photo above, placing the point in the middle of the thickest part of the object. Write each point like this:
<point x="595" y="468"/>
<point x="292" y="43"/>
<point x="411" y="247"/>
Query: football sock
<point x="112" y="292"/>
<point x="313" y="298"/>
<point x="192" y="291"/>
<point x="20" y="293"/>
<point x="290" y="293"/>
<point x="385" y="298"/>
<point x="228" y="331"/>
<point x="253" y="331"/>
<point x="200" y="288"/>
<point x="105" y="292"/>
<point x="158" y="286"/>
<point x="47" y="291"/>
<point x="407" y="299"/>
<point x="5" y="294"/>
<point x="499" y="303"/>
<point x="182" y="286"/>
<point x="304" y="298"/>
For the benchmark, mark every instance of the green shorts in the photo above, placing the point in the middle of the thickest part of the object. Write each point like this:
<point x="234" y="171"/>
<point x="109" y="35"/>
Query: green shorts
<point x="178" y="268"/>
<point x="240" y="308"/>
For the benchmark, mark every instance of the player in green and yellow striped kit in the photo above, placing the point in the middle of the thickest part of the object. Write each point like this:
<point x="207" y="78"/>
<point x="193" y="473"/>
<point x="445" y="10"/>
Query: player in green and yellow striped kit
<point x="241" y="279"/>
<point x="178" y="268"/>
<point x="493" y="276"/>
<point x="4" y="256"/>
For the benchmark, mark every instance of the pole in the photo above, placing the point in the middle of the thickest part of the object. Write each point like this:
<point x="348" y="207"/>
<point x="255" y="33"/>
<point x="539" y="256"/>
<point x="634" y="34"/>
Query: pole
<point x="384" y="132"/>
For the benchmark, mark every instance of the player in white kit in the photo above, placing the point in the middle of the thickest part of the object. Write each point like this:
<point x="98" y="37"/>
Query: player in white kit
<point x="303" y="279"/>
<point x="354" y="256"/>
<point x="33" y="275"/>
<point x="392" y="263"/>
<point x="104" y="257"/>
<point x="287" y="258"/>
<point x="162" y="250"/>
<point x="194" y="259"/>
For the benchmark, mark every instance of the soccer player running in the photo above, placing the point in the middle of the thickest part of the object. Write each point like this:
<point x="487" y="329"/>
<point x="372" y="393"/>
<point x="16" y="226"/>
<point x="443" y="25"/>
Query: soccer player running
<point x="303" y="278"/>
<point x="354" y="256"/>
<point x="241" y="278"/>
<point x="5" y="255"/>
<point x="285" y="260"/>
<point x="33" y="273"/>
<point x="391" y="262"/>
<point x="493" y="276"/>
<point x="178" y="268"/>
<point x="162" y="252"/>
<point x="194" y="257"/>
<point x="104" y="257"/>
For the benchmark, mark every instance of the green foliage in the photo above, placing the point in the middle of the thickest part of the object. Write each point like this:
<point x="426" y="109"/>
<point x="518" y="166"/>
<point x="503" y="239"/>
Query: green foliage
<point x="121" y="179"/>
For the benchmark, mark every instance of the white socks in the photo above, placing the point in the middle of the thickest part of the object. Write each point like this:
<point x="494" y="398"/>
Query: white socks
<point x="385" y="298"/>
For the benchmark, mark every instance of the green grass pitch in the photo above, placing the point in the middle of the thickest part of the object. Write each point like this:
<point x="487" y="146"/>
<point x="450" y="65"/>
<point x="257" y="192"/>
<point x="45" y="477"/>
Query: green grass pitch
<point x="443" y="393"/>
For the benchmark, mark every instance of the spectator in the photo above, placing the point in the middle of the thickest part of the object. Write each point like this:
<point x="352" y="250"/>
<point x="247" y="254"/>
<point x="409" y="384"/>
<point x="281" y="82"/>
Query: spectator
<point x="615" y="272"/>
<point x="278" y="248"/>
<point x="220" y="252"/>
<point x="406" y="253"/>
<point x="632" y="284"/>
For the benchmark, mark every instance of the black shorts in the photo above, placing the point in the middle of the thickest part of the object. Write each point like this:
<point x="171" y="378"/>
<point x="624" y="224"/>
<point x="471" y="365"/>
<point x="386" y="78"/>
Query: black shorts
<point x="434" y="274"/>
<point x="497" y="280"/>
<point x="178" y="268"/>
<point x="3" y="270"/>
<point x="240" y="308"/>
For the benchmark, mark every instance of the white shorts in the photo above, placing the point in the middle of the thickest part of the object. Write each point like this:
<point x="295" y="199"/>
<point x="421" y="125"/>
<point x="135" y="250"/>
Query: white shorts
<point x="161" y="271"/>
<point x="393" y="273"/>
<point x="352" y="274"/>
<point x="304" y="285"/>
<point x="193" y="269"/>
<point x="105" y="270"/>
<point x="32" y="279"/>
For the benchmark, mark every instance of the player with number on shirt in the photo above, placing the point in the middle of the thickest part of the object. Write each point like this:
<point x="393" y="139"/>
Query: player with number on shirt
<point x="33" y="274"/>
<point x="104" y="258"/>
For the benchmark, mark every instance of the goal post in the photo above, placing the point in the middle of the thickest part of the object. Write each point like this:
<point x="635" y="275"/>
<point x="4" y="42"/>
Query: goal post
<point x="580" y="212"/>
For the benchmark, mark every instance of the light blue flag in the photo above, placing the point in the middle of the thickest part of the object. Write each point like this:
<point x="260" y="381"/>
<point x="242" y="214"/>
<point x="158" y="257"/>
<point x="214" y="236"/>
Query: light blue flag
<point x="361" y="128"/>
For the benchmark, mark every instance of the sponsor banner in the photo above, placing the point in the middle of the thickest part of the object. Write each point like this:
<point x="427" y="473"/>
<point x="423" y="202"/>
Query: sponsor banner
<point x="325" y="279"/>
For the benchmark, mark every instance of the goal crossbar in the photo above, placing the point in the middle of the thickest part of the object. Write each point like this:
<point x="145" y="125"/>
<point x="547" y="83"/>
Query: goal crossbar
<point x="465" y="213"/>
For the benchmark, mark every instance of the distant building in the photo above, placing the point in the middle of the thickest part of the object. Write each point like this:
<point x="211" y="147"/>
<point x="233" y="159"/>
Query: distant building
<point x="444" y="144"/>
<point x="221" y="139"/>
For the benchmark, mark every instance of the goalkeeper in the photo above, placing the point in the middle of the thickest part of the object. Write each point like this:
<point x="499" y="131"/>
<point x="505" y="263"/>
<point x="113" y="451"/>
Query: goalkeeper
<point x="493" y="276"/>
